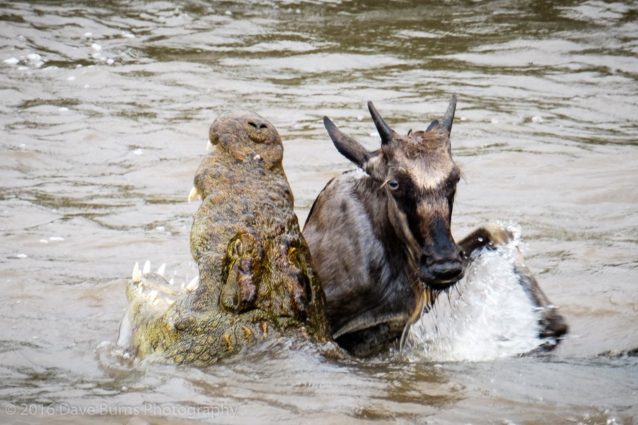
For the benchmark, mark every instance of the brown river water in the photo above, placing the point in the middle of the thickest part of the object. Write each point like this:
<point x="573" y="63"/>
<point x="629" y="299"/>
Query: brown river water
<point x="104" y="113"/>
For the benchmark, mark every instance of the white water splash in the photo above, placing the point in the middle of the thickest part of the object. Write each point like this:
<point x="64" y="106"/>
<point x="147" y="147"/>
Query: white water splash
<point x="487" y="315"/>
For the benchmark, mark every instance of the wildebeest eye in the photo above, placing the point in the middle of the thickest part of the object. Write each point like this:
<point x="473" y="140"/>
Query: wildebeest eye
<point x="393" y="184"/>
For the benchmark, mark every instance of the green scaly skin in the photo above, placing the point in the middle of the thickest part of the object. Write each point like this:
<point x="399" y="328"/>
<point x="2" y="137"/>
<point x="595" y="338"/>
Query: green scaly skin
<point x="255" y="277"/>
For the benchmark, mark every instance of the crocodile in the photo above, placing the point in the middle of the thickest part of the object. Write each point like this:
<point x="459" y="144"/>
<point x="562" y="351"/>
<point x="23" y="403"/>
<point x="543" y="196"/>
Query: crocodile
<point x="255" y="281"/>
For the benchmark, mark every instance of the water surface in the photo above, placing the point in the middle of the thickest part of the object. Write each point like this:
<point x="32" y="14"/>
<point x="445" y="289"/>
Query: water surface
<point x="104" y="114"/>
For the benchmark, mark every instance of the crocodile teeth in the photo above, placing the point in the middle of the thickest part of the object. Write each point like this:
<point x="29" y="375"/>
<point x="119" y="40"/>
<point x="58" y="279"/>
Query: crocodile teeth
<point x="162" y="269"/>
<point x="194" y="194"/>
<point x="171" y="282"/>
<point x="193" y="284"/>
<point x="126" y="332"/>
<point x="152" y="296"/>
<point x="137" y="274"/>
<point x="209" y="146"/>
<point x="147" y="267"/>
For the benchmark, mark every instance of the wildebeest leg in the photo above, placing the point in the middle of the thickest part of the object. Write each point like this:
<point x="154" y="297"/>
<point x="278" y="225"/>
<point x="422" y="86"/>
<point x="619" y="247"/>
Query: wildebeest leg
<point x="552" y="323"/>
<point x="485" y="237"/>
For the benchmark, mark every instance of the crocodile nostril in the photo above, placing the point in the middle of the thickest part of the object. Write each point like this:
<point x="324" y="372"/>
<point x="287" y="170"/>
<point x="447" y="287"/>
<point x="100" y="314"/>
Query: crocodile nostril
<point x="257" y="125"/>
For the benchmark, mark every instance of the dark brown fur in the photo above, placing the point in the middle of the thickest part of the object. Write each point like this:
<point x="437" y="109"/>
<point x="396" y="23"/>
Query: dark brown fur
<point x="380" y="238"/>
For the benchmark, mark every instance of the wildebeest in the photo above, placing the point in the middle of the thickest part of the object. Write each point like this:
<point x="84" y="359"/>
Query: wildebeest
<point x="380" y="236"/>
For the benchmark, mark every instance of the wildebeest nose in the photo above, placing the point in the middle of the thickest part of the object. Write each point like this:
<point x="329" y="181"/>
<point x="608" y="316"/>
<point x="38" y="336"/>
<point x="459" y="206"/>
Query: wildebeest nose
<point x="447" y="270"/>
<point x="442" y="272"/>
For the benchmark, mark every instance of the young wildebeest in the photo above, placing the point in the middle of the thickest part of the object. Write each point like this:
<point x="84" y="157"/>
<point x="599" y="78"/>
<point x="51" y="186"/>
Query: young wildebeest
<point x="380" y="236"/>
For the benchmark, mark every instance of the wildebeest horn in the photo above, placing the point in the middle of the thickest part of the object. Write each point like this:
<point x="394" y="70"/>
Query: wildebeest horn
<point x="346" y="145"/>
<point x="448" y="118"/>
<point x="384" y="129"/>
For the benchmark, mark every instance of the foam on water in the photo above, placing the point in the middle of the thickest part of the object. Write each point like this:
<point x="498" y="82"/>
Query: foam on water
<point x="487" y="315"/>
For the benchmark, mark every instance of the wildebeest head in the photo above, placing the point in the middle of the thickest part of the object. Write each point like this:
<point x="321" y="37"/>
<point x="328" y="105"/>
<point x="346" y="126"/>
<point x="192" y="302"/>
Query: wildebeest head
<point x="418" y="177"/>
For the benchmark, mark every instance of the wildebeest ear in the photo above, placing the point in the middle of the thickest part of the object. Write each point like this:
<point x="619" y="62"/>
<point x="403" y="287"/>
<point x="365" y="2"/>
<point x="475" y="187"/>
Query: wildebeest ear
<point x="346" y="145"/>
<point x="433" y="124"/>
<point x="386" y="133"/>
<point x="448" y="118"/>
